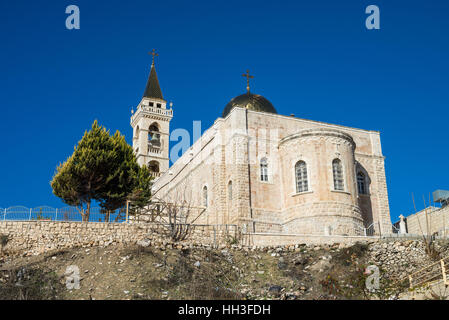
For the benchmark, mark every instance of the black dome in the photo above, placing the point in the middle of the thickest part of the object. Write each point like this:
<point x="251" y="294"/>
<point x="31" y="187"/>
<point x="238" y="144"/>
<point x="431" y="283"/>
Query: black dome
<point x="251" y="101"/>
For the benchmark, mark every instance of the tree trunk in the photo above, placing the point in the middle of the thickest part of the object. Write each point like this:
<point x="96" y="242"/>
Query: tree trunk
<point x="87" y="213"/>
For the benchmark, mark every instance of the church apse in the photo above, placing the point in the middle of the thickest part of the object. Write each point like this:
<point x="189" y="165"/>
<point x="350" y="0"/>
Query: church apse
<point x="319" y="183"/>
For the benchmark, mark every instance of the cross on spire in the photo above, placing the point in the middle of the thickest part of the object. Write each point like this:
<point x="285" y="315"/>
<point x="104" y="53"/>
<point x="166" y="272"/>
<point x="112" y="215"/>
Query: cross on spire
<point x="153" y="90"/>
<point x="247" y="76"/>
<point x="154" y="54"/>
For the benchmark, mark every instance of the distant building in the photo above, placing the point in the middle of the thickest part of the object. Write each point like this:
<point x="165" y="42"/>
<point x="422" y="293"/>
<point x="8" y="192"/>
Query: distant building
<point x="431" y="220"/>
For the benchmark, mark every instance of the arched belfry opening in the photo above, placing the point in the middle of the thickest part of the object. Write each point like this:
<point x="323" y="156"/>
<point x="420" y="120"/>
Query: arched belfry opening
<point x="153" y="166"/>
<point x="154" y="135"/>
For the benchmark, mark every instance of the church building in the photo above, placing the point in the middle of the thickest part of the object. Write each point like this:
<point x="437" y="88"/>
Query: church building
<point x="267" y="172"/>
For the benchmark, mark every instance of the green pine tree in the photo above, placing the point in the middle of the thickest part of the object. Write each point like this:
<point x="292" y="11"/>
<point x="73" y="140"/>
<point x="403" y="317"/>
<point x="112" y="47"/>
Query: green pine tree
<point x="104" y="169"/>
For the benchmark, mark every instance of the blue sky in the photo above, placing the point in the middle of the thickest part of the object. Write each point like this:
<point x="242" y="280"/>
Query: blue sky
<point x="315" y="59"/>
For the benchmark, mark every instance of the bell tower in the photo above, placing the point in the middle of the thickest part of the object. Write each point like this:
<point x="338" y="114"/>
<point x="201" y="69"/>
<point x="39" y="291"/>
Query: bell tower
<point x="151" y="127"/>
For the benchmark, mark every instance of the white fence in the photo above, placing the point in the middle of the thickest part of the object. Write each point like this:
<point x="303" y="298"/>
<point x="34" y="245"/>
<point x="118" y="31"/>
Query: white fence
<point x="46" y="213"/>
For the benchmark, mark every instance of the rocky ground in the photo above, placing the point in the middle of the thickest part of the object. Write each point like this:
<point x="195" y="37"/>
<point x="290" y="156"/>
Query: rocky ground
<point x="151" y="270"/>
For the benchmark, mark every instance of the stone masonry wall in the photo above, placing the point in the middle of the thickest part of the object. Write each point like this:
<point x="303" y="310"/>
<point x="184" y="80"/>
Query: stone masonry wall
<point x="37" y="237"/>
<point x="41" y="236"/>
<point x="44" y="236"/>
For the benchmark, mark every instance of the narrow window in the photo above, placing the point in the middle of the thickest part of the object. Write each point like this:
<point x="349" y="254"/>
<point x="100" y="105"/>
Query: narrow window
<point x="230" y="191"/>
<point x="264" y="169"/>
<point x="205" y="201"/>
<point x="337" y="169"/>
<point x="361" y="183"/>
<point x="302" y="184"/>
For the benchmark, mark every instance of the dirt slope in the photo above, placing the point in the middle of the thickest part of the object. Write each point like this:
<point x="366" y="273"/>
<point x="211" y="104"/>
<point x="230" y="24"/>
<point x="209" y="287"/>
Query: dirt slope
<point x="167" y="272"/>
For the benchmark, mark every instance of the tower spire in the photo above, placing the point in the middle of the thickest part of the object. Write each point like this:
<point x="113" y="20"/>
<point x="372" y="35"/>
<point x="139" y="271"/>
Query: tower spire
<point x="153" y="90"/>
<point x="151" y="126"/>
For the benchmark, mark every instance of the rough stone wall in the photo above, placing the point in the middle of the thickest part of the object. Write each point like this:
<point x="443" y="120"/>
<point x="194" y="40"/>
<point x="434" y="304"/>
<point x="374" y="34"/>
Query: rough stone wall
<point x="42" y="236"/>
<point x="401" y="258"/>
<point x="35" y="237"/>
<point x="53" y="235"/>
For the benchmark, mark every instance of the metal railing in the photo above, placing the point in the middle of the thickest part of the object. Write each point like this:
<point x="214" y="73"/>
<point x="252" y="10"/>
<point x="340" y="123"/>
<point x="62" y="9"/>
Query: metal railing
<point x="46" y="213"/>
<point x="369" y="231"/>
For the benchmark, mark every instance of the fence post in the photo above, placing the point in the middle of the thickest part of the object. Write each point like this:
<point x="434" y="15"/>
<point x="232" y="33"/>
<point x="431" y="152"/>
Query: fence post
<point x="56" y="216"/>
<point x="127" y="210"/>
<point x="364" y="230"/>
<point x="4" y="218"/>
<point x="30" y="215"/>
<point x="443" y="270"/>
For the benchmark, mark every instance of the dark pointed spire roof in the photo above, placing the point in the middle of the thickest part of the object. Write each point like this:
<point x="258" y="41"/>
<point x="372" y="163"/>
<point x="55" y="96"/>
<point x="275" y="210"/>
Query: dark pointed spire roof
<point x="153" y="90"/>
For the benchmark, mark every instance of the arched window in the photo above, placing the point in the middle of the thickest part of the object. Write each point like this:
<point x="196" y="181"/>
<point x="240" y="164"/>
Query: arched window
<point x="205" y="200"/>
<point x="230" y="191"/>
<point x="137" y="132"/>
<point x="302" y="184"/>
<point x="361" y="183"/>
<point x="264" y="169"/>
<point x="337" y="170"/>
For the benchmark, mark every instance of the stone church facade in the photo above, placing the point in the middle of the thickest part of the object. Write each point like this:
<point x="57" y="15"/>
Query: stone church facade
<point x="267" y="172"/>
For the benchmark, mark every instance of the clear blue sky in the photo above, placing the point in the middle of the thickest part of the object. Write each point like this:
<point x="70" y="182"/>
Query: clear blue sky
<point x="315" y="59"/>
